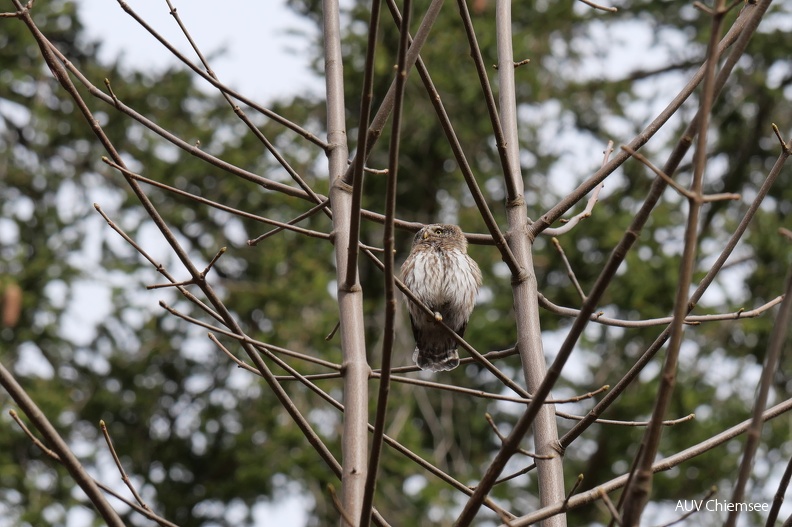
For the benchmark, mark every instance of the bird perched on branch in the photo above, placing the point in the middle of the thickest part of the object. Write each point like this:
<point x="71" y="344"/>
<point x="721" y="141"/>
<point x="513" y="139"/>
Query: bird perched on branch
<point x="443" y="277"/>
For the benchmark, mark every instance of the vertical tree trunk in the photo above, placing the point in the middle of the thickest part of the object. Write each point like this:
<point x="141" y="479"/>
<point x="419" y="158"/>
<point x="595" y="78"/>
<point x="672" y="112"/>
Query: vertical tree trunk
<point x="354" y="450"/>
<point x="525" y="291"/>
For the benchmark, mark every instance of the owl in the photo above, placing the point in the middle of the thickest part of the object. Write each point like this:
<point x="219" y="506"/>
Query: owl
<point x="441" y="274"/>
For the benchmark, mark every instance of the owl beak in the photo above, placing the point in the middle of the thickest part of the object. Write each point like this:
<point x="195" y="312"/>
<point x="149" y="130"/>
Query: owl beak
<point x="425" y="235"/>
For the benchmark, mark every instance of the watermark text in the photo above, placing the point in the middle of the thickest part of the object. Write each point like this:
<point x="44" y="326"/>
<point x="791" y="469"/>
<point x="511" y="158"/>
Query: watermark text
<point x="715" y="505"/>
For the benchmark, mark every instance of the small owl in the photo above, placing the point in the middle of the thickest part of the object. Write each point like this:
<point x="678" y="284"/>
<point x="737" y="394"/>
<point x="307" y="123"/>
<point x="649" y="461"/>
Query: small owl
<point x="442" y="275"/>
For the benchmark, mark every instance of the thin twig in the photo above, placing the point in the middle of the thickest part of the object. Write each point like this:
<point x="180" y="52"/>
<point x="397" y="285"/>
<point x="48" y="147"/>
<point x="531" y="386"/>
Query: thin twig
<point x="568" y="266"/>
<point x="338" y="505"/>
<point x="575" y="486"/>
<point x="388" y="242"/>
<point x="159" y="267"/>
<point x="291" y="224"/>
<point x="522" y="451"/>
<point x="514" y="475"/>
<point x="637" y="493"/>
<point x="690" y="320"/>
<point x="598" y="6"/>
<point x="201" y="275"/>
<point x="778" y="499"/>
<point x="778" y="338"/>
<point x="507" y="162"/>
<point x="587" y="211"/>
<point x="53" y="455"/>
<point x="615" y="516"/>
<point x="248" y="340"/>
<point x="784" y="145"/>
<point x="58" y="445"/>
<point x="669" y="422"/>
<point x="700" y="198"/>
<point x="124" y="476"/>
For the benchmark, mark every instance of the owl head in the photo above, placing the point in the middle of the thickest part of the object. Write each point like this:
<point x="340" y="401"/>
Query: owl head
<point x="441" y="233"/>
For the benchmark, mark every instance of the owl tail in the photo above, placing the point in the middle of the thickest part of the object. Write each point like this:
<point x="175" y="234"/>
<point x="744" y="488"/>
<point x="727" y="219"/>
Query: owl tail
<point x="436" y="358"/>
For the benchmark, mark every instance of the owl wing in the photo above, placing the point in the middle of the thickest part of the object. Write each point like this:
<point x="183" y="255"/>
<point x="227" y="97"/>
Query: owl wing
<point x="417" y="333"/>
<point x="462" y="328"/>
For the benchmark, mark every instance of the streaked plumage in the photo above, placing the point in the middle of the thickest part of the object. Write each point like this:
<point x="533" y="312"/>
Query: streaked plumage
<point x="442" y="275"/>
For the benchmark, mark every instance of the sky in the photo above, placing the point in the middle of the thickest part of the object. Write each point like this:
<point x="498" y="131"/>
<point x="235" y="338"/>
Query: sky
<point x="256" y="38"/>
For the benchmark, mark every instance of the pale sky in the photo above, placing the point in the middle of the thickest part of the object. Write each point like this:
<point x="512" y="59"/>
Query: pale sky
<point x="261" y="57"/>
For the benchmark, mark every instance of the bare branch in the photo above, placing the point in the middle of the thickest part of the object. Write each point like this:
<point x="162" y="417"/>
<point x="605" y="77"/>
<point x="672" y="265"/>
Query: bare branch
<point x="670" y="422"/>
<point x="700" y="198"/>
<point x="784" y="146"/>
<point x="51" y="435"/>
<point x="124" y="476"/>
<point x="615" y="516"/>
<point x="577" y="218"/>
<point x="522" y="451"/>
<point x="388" y="242"/>
<point x="778" y="499"/>
<point x="568" y="266"/>
<point x="359" y="162"/>
<point x="53" y="455"/>
<point x="248" y="340"/>
<point x="386" y="106"/>
<point x="506" y="159"/>
<point x="598" y="6"/>
<point x="777" y="340"/>
<point x="637" y="492"/>
<point x="304" y="379"/>
<point x="690" y="320"/>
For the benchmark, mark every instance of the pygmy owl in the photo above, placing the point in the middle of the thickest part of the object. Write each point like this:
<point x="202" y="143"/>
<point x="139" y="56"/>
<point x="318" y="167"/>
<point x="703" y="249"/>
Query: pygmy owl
<point x="442" y="275"/>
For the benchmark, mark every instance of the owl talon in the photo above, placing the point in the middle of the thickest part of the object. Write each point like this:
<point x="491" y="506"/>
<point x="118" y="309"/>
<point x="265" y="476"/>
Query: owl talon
<point x="438" y="316"/>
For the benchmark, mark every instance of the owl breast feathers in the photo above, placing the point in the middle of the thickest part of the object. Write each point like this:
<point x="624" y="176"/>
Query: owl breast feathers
<point x="440" y="274"/>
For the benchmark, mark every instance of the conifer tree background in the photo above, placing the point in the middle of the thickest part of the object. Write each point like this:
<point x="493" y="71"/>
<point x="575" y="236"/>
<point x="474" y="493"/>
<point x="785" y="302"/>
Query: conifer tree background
<point x="619" y="170"/>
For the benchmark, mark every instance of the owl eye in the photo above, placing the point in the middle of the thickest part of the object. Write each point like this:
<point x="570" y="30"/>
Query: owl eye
<point x="438" y="231"/>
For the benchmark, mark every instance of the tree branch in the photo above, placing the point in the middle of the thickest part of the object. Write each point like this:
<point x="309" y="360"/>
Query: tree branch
<point x="637" y="492"/>
<point x="774" y="349"/>
<point x="350" y="295"/>
<point x="388" y="242"/>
